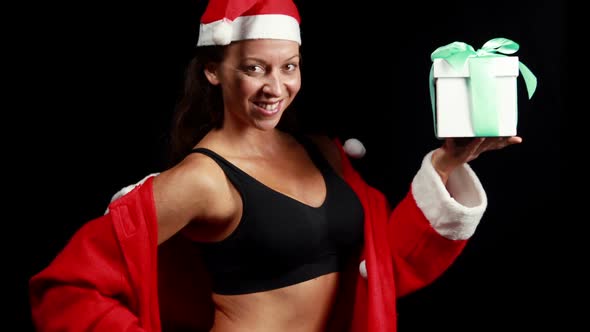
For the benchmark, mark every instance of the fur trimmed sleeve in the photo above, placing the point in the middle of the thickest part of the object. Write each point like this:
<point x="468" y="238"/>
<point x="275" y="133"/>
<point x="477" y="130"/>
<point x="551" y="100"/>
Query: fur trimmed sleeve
<point x="453" y="211"/>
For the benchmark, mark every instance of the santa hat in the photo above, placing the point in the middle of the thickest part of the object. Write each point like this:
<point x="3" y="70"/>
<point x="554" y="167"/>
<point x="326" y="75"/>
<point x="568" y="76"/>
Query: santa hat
<point x="225" y="21"/>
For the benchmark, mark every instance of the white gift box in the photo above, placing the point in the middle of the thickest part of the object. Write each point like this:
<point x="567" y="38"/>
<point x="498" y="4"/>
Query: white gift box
<point x="453" y="97"/>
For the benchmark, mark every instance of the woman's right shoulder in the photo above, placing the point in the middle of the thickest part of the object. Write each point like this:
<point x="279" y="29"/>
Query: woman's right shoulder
<point x="191" y="190"/>
<point x="196" y="173"/>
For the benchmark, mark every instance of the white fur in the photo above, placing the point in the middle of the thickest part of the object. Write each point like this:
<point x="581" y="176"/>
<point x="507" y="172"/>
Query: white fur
<point x="454" y="211"/>
<point x="224" y="31"/>
<point x="124" y="191"/>
<point x="363" y="269"/>
<point x="354" y="148"/>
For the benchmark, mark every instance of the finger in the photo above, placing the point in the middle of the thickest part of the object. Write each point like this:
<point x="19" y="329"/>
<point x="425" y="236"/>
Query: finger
<point x="474" y="148"/>
<point x="476" y="144"/>
<point x="503" y="142"/>
<point x="496" y="143"/>
<point x="489" y="143"/>
<point x="514" y="140"/>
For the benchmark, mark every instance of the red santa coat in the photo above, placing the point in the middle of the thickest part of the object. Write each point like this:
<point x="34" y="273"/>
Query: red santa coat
<point x="111" y="275"/>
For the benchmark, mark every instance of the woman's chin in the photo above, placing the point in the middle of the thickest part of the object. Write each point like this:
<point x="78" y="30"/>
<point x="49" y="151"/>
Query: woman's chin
<point x="267" y="124"/>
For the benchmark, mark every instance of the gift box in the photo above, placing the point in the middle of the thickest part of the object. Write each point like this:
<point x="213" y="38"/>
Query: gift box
<point x="474" y="93"/>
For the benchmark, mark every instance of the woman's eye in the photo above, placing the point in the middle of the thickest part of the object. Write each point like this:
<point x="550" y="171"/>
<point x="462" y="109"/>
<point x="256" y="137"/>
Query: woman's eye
<point x="255" y="69"/>
<point x="291" y="67"/>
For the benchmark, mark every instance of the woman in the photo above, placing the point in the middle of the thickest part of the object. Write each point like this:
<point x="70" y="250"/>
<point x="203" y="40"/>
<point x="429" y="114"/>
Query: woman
<point x="277" y="226"/>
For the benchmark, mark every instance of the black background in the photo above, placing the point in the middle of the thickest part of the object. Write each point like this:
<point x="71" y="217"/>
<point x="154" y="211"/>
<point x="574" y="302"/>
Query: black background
<point x="100" y="79"/>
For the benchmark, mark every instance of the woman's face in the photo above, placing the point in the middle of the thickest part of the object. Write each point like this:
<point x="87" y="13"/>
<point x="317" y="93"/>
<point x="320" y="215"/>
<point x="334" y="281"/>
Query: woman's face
<point x="258" y="79"/>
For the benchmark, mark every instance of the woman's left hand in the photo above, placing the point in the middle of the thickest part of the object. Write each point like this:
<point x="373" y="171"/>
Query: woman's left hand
<point x="457" y="151"/>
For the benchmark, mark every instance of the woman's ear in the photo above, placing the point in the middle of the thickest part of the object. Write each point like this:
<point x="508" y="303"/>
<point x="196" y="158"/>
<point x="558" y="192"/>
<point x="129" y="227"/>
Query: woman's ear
<point x="211" y="73"/>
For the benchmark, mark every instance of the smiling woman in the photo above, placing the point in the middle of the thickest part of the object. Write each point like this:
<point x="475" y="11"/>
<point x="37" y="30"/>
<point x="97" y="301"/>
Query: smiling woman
<point x="259" y="79"/>
<point x="284" y="234"/>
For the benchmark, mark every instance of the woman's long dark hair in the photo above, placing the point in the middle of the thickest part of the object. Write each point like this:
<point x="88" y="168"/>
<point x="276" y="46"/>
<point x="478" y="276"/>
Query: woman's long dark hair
<point x="200" y="107"/>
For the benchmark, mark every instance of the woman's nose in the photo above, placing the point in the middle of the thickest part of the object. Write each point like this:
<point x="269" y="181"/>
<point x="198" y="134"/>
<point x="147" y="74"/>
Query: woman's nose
<point x="273" y="85"/>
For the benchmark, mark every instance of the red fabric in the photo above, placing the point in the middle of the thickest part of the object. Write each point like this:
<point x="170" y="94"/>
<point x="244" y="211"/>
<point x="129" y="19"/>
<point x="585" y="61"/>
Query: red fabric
<point x="403" y="253"/>
<point x="218" y="10"/>
<point x="111" y="276"/>
<point x="105" y="279"/>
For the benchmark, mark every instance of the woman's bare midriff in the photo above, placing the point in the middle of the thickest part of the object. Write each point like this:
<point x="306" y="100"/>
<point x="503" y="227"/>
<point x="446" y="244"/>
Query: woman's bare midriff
<point x="303" y="307"/>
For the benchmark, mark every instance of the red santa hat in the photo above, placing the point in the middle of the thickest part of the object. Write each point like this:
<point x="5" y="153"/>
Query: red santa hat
<point x="225" y="21"/>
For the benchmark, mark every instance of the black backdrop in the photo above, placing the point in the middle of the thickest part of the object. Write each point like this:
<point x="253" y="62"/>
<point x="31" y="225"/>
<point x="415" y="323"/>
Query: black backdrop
<point x="104" y="78"/>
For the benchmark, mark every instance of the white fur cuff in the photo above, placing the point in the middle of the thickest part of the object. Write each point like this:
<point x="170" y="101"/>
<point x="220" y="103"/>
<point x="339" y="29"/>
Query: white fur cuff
<point x="124" y="191"/>
<point x="454" y="211"/>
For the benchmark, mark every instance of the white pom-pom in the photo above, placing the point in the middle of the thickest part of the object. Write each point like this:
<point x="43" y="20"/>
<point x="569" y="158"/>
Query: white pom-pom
<point x="363" y="269"/>
<point x="222" y="33"/>
<point x="354" y="148"/>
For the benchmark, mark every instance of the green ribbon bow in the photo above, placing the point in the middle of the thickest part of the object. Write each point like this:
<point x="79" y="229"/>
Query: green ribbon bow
<point x="480" y="82"/>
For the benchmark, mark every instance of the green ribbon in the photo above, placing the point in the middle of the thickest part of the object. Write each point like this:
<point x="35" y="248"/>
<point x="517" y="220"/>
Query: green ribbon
<point x="480" y="83"/>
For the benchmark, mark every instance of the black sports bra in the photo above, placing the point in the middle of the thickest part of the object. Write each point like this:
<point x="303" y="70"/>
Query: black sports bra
<point x="281" y="241"/>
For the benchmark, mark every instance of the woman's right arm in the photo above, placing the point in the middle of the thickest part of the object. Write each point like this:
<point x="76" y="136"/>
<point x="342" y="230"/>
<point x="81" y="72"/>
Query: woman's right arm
<point x="105" y="278"/>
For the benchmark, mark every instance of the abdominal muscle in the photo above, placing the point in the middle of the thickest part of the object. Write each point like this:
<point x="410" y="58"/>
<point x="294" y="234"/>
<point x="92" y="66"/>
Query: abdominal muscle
<point x="303" y="307"/>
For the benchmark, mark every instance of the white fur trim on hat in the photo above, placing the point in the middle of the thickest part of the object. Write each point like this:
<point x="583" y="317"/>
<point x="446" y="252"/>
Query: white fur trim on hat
<point x="454" y="211"/>
<point x="265" y="26"/>
<point x="221" y="32"/>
